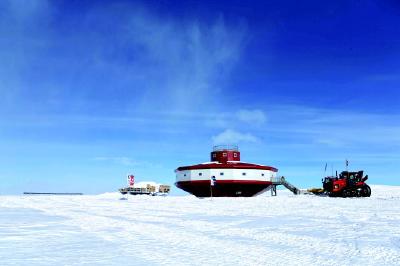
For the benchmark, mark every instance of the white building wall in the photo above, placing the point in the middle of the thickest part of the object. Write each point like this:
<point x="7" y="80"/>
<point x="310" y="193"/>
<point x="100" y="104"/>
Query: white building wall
<point x="228" y="174"/>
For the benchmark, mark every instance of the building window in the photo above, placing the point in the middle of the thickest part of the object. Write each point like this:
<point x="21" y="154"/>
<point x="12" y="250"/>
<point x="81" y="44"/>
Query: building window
<point x="221" y="173"/>
<point x="214" y="155"/>
<point x="262" y="174"/>
<point x="224" y="154"/>
<point x="184" y="174"/>
<point x="200" y="174"/>
<point x="243" y="173"/>
<point x="235" y="155"/>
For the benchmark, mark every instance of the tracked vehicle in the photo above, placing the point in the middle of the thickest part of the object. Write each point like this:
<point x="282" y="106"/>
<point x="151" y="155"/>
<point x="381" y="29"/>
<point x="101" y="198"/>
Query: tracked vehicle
<point x="347" y="184"/>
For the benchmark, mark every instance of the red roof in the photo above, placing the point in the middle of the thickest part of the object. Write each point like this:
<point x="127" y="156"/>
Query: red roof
<point x="231" y="165"/>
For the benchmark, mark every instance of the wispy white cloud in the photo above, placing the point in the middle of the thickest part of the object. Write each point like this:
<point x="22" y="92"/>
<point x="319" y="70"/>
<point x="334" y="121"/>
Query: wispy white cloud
<point x="118" y="160"/>
<point x="20" y="27"/>
<point x="145" y="60"/>
<point x="126" y="161"/>
<point x="230" y="136"/>
<point x="254" y="117"/>
<point x="192" y="59"/>
<point x="22" y="10"/>
<point x="339" y="128"/>
<point x="328" y="141"/>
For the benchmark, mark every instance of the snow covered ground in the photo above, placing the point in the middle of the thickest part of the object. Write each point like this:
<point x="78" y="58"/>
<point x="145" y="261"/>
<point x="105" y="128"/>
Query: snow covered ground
<point x="144" y="230"/>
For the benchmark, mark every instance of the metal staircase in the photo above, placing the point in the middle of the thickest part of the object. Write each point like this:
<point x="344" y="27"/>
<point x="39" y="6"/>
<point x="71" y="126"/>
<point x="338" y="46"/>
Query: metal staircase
<point x="276" y="181"/>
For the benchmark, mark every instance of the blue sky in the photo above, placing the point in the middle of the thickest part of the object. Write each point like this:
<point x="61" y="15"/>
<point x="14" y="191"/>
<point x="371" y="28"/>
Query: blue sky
<point x="91" y="91"/>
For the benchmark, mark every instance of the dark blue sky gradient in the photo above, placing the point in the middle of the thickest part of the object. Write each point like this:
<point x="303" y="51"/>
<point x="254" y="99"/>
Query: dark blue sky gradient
<point x="299" y="52"/>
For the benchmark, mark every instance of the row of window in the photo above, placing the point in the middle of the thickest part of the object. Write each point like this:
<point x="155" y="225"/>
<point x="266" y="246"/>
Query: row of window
<point x="200" y="174"/>
<point x="225" y="154"/>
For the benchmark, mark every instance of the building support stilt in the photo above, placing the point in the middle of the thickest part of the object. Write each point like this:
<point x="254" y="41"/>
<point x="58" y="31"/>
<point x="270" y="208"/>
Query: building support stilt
<point x="273" y="190"/>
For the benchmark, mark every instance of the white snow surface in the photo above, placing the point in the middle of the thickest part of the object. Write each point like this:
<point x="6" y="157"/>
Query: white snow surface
<point x="145" y="230"/>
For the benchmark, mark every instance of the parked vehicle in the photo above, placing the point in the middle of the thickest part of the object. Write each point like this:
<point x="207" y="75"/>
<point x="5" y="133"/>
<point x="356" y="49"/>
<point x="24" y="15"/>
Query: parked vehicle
<point x="347" y="184"/>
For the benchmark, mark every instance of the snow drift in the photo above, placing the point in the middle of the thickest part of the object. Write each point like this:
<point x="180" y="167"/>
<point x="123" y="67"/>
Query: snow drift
<point x="144" y="230"/>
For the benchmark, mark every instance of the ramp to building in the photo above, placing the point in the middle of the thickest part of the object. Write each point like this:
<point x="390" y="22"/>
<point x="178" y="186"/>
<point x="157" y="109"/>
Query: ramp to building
<point x="277" y="181"/>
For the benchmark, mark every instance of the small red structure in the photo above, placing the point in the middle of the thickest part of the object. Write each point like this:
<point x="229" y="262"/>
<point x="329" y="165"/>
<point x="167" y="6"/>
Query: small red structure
<point x="224" y="155"/>
<point x="131" y="180"/>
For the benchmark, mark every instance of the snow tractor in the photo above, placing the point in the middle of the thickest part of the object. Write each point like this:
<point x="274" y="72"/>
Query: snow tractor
<point x="347" y="184"/>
